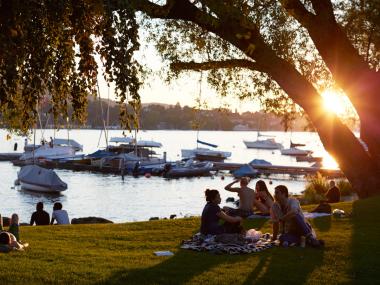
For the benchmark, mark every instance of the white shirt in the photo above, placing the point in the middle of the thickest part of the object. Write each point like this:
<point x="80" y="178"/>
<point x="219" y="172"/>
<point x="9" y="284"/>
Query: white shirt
<point x="61" y="216"/>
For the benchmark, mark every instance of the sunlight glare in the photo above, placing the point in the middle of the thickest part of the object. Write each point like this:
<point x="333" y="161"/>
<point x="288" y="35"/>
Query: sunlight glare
<point x="334" y="102"/>
<point x="329" y="162"/>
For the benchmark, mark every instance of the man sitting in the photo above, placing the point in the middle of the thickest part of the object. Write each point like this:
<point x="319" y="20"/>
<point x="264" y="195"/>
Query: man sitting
<point x="40" y="217"/>
<point x="289" y="221"/>
<point x="60" y="215"/>
<point x="333" y="194"/>
<point x="247" y="198"/>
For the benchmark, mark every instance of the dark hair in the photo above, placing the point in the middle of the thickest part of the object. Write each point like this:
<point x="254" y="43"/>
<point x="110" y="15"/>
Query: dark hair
<point x="244" y="181"/>
<point x="40" y="206"/>
<point x="211" y="194"/>
<point x="5" y="238"/>
<point x="57" y="206"/>
<point x="263" y="187"/>
<point x="283" y="190"/>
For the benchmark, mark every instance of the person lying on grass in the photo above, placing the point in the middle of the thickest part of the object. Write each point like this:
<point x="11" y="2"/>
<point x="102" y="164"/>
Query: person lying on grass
<point x="9" y="242"/>
<point x="289" y="221"/>
<point x="212" y="214"/>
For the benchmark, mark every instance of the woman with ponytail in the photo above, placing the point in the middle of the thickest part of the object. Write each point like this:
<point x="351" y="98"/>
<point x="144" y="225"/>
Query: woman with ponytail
<point x="212" y="214"/>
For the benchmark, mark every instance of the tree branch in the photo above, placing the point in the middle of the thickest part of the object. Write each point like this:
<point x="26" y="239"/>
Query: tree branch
<point x="230" y="63"/>
<point x="298" y="11"/>
<point x="324" y="9"/>
<point x="176" y="10"/>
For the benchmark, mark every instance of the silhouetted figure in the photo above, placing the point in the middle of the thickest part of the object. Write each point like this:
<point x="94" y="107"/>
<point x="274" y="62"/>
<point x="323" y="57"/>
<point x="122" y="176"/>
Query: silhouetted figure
<point x="333" y="194"/>
<point x="40" y="217"/>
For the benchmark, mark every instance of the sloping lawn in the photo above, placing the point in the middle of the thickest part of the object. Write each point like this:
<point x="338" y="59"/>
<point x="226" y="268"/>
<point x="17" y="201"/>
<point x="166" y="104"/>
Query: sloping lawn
<point x="123" y="254"/>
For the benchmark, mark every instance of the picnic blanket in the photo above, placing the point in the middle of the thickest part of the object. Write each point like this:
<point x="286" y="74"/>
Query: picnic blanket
<point x="307" y="215"/>
<point x="228" y="243"/>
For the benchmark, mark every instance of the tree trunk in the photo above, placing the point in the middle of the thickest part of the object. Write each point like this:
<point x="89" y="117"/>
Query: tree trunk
<point x="360" y="167"/>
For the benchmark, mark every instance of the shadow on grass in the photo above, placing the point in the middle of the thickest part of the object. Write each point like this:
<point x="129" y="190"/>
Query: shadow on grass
<point x="285" y="266"/>
<point x="323" y="224"/>
<point x="273" y="266"/>
<point x="366" y="241"/>
<point x="179" y="269"/>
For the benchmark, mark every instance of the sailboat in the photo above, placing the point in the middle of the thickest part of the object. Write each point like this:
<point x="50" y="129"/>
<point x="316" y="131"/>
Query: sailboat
<point x="268" y="143"/>
<point x="295" y="151"/>
<point x="203" y="153"/>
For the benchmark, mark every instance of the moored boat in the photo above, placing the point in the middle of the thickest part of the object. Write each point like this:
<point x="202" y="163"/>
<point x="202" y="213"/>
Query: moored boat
<point x="294" y="151"/>
<point x="269" y="143"/>
<point x="36" y="178"/>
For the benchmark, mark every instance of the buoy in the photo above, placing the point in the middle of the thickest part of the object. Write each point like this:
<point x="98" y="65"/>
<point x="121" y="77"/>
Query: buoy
<point x="148" y="175"/>
<point x="270" y="182"/>
<point x="222" y="177"/>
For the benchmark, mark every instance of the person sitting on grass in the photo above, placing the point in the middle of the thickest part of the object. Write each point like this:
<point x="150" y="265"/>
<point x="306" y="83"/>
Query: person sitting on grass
<point x="14" y="227"/>
<point x="60" y="215"/>
<point x="333" y="194"/>
<point x="289" y="221"/>
<point x="40" y="217"/>
<point x="212" y="214"/>
<point x="247" y="198"/>
<point x="264" y="198"/>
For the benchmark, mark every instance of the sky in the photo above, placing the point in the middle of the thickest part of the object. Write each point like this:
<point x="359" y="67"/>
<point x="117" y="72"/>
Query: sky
<point x="184" y="91"/>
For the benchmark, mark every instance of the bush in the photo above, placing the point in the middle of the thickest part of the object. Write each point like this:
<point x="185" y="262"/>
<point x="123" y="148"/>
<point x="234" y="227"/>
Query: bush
<point x="345" y="187"/>
<point x="316" y="187"/>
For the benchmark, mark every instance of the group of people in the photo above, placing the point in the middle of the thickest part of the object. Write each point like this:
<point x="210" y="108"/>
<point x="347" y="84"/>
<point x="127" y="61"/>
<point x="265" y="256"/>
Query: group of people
<point x="288" y="222"/>
<point x="41" y="218"/>
<point x="10" y="239"/>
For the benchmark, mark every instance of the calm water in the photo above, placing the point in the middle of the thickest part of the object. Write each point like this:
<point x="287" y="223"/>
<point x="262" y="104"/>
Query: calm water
<point x="137" y="199"/>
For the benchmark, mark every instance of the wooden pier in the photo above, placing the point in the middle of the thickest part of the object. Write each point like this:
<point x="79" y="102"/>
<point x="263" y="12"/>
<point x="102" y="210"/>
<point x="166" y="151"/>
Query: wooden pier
<point x="10" y="156"/>
<point x="218" y="166"/>
<point x="281" y="169"/>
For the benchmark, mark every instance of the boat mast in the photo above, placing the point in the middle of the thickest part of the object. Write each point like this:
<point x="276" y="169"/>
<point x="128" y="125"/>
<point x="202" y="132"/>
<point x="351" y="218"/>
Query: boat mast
<point x="199" y="105"/>
<point x="34" y="135"/>
<point x="104" y="123"/>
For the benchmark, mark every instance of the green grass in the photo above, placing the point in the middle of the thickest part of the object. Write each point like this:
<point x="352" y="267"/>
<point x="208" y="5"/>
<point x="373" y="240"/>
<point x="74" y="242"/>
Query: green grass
<point x="123" y="254"/>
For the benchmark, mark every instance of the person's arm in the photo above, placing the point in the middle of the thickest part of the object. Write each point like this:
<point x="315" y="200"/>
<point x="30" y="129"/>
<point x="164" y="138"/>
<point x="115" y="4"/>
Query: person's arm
<point x="290" y="214"/>
<point x="228" y="218"/>
<point x="232" y="189"/>
<point x="275" y="228"/>
<point x="52" y="218"/>
<point x="295" y="209"/>
<point x="32" y="220"/>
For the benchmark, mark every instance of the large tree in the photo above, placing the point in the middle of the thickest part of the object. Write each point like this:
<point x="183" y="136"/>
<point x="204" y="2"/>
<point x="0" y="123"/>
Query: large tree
<point x="286" y="47"/>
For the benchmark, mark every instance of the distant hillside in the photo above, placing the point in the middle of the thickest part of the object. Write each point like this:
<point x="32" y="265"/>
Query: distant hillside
<point x="157" y="116"/>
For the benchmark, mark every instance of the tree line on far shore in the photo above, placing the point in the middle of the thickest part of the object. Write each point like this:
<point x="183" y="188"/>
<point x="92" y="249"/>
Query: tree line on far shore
<point x="156" y="116"/>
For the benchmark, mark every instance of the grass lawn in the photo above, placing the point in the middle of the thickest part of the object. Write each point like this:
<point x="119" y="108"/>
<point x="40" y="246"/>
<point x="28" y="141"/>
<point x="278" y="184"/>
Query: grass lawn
<point x="123" y="254"/>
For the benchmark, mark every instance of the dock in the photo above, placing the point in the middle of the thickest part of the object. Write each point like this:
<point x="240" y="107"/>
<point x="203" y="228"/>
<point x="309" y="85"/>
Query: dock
<point x="281" y="169"/>
<point x="218" y="166"/>
<point x="10" y="156"/>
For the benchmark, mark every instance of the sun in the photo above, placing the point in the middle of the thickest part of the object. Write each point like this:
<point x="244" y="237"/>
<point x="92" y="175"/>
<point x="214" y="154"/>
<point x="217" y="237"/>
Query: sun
<point x="334" y="101"/>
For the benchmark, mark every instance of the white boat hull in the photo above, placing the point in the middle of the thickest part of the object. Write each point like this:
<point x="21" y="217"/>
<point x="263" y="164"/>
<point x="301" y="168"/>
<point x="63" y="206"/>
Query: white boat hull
<point x="46" y="152"/>
<point x="264" y="144"/>
<point x="190" y="153"/>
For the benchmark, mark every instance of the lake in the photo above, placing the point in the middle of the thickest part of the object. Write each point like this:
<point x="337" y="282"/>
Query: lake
<point x="138" y="199"/>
